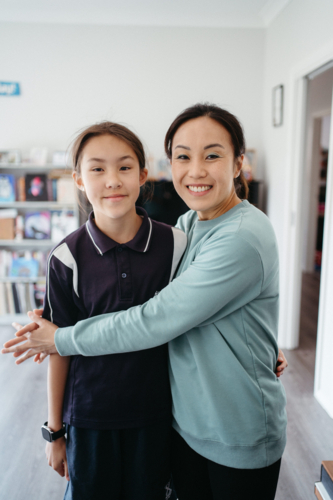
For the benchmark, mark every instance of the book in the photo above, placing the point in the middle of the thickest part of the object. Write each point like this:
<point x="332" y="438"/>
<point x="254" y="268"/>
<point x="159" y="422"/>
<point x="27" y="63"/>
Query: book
<point x="37" y="225"/>
<point x="38" y="156"/>
<point x="21" y="196"/>
<point x="321" y="492"/>
<point x="16" y="299"/>
<point x="21" y="295"/>
<point x="327" y="476"/>
<point x="7" y="188"/>
<point x="32" y="295"/>
<point x="10" y="298"/>
<point x="65" y="190"/>
<point x="39" y="295"/>
<point x="24" y="268"/>
<point x="7" y="229"/>
<point x="19" y="227"/>
<point x="7" y="224"/>
<point x="63" y="222"/>
<point x="3" y="309"/>
<point x="36" y="187"/>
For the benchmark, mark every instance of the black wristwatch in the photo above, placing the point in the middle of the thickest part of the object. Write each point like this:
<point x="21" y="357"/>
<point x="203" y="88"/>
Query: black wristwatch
<point x="50" y="435"/>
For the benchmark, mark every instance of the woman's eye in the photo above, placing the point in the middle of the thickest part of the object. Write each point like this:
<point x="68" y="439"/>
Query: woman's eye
<point x="212" y="156"/>
<point x="182" y="157"/>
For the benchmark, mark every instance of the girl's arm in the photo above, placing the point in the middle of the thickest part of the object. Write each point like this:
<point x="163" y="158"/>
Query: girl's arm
<point x="57" y="376"/>
<point x="59" y="306"/>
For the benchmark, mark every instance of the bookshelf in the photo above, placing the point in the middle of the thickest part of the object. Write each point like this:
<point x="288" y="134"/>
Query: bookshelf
<point x="19" y="291"/>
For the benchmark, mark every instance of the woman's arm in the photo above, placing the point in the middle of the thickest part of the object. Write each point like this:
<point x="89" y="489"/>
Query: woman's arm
<point x="57" y="376"/>
<point x="225" y="276"/>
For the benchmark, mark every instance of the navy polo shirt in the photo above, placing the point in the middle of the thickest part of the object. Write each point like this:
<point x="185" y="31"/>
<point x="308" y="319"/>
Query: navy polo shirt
<point x="90" y="274"/>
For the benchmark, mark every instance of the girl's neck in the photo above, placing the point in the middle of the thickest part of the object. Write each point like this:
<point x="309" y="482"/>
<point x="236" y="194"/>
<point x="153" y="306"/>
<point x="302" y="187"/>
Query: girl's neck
<point x="120" y="230"/>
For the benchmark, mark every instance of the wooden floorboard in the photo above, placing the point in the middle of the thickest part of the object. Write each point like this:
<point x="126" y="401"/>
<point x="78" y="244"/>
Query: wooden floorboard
<point x="310" y="429"/>
<point x="25" y="474"/>
<point x="24" y="471"/>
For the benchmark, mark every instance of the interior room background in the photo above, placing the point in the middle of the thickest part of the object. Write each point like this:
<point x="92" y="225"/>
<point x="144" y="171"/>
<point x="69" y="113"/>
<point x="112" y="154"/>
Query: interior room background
<point x="73" y="74"/>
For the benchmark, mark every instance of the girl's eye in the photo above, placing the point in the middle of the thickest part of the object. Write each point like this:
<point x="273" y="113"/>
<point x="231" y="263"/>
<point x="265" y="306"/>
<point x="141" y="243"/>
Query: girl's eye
<point x="97" y="169"/>
<point x="124" y="168"/>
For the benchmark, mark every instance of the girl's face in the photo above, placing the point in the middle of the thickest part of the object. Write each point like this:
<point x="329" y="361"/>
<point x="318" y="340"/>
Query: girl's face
<point x="111" y="178"/>
<point x="204" y="167"/>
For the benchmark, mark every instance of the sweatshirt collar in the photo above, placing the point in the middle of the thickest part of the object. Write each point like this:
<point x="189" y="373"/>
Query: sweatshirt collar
<point x="208" y="224"/>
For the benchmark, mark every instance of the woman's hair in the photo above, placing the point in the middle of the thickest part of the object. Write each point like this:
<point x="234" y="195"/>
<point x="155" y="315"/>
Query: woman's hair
<point x="104" y="128"/>
<point x="227" y="120"/>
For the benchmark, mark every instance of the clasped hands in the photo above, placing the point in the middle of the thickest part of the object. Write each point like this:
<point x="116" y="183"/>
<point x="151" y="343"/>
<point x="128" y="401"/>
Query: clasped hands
<point x="38" y="336"/>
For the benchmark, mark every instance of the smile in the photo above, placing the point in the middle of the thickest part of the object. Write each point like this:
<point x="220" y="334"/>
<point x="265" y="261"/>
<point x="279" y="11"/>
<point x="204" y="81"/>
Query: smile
<point x="116" y="197"/>
<point x="199" y="189"/>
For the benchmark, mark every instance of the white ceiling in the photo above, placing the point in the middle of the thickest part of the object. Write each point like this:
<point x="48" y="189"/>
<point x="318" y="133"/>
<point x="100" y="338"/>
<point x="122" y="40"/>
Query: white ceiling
<point x="205" y="13"/>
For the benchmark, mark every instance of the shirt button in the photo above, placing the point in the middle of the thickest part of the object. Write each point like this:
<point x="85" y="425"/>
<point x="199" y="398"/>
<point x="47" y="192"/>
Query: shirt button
<point x="120" y="249"/>
<point x="124" y="275"/>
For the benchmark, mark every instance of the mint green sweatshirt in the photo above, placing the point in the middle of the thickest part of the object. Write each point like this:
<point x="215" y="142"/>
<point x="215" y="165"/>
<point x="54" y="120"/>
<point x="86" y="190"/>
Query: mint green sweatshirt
<point x="220" y="317"/>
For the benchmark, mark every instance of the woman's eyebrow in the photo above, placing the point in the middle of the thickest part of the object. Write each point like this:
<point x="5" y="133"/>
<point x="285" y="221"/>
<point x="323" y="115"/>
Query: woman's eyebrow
<point x="183" y="147"/>
<point x="214" y="146"/>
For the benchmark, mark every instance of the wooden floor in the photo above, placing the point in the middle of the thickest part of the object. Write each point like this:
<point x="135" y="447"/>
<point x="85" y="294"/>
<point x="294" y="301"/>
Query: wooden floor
<point x="25" y="475"/>
<point x="310" y="429"/>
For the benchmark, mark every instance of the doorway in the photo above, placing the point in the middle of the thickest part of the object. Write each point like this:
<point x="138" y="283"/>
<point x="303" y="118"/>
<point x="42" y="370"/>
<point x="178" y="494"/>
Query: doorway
<point x="317" y="134"/>
<point x="297" y="213"/>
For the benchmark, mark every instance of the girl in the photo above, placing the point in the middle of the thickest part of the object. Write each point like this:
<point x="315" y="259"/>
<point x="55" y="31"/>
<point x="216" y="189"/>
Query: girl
<point x="219" y="316"/>
<point x="117" y="409"/>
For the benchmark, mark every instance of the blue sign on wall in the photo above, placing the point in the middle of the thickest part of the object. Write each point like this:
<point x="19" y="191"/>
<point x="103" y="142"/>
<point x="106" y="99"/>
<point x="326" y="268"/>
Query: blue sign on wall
<point x="9" y="88"/>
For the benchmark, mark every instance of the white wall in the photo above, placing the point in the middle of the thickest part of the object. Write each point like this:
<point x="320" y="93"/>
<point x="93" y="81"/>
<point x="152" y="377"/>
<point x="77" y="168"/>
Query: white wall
<point x="302" y="29"/>
<point x="72" y="76"/>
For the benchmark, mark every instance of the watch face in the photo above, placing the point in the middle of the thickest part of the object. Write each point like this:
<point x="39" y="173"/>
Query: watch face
<point x="46" y="434"/>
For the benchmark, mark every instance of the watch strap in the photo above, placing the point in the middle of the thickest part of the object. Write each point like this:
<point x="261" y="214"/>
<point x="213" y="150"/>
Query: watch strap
<point x="58" y="434"/>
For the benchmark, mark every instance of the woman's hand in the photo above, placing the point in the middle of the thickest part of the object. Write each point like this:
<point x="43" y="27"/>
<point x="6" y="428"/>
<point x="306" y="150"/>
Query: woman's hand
<point x="39" y="358"/>
<point x="56" y="456"/>
<point x="39" y="337"/>
<point x="281" y="364"/>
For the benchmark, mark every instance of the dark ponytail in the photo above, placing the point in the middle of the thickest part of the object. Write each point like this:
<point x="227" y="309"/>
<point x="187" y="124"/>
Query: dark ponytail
<point x="228" y="121"/>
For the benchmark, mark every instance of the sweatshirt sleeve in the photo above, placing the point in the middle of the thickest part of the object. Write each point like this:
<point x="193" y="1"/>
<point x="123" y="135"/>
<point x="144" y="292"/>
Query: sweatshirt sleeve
<point x="226" y="274"/>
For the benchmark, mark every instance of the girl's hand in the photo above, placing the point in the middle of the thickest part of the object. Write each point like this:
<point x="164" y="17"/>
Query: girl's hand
<point x="281" y="364"/>
<point x="56" y="456"/>
<point x="39" y="336"/>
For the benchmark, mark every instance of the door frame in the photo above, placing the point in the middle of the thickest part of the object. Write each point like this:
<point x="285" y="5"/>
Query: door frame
<point x="293" y="225"/>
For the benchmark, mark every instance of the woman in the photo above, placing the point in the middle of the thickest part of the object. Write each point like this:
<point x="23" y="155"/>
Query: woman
<point x="219" y="316"/>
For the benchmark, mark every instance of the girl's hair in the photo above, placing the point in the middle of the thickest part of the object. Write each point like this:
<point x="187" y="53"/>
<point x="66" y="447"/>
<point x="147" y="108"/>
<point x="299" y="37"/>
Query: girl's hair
<point x="106" y="128"/>
<point x="227" y="120"/>
<point x="98" y="129"/>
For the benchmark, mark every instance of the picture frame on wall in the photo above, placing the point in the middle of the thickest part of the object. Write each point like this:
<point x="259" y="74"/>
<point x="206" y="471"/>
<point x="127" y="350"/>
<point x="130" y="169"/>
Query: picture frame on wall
<point x="278" y="105"/>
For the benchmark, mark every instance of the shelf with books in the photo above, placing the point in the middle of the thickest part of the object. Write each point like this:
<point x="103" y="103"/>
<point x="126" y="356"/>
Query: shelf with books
<point x="38" y="208"/>
<point x="51" y="205"/>
<point x="8" y="319"/>
<point x="28" y="243"/>
<point x="31" y="166"/>
<point x="11" y="279"/>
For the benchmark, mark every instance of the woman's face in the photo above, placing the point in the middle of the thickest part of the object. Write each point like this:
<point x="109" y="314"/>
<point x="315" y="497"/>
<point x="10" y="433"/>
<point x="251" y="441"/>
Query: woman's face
<point x="204" y="167"/>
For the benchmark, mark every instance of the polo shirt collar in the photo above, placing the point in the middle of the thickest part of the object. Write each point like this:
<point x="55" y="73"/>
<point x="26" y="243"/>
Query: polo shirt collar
<point x="140" y="242"/>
